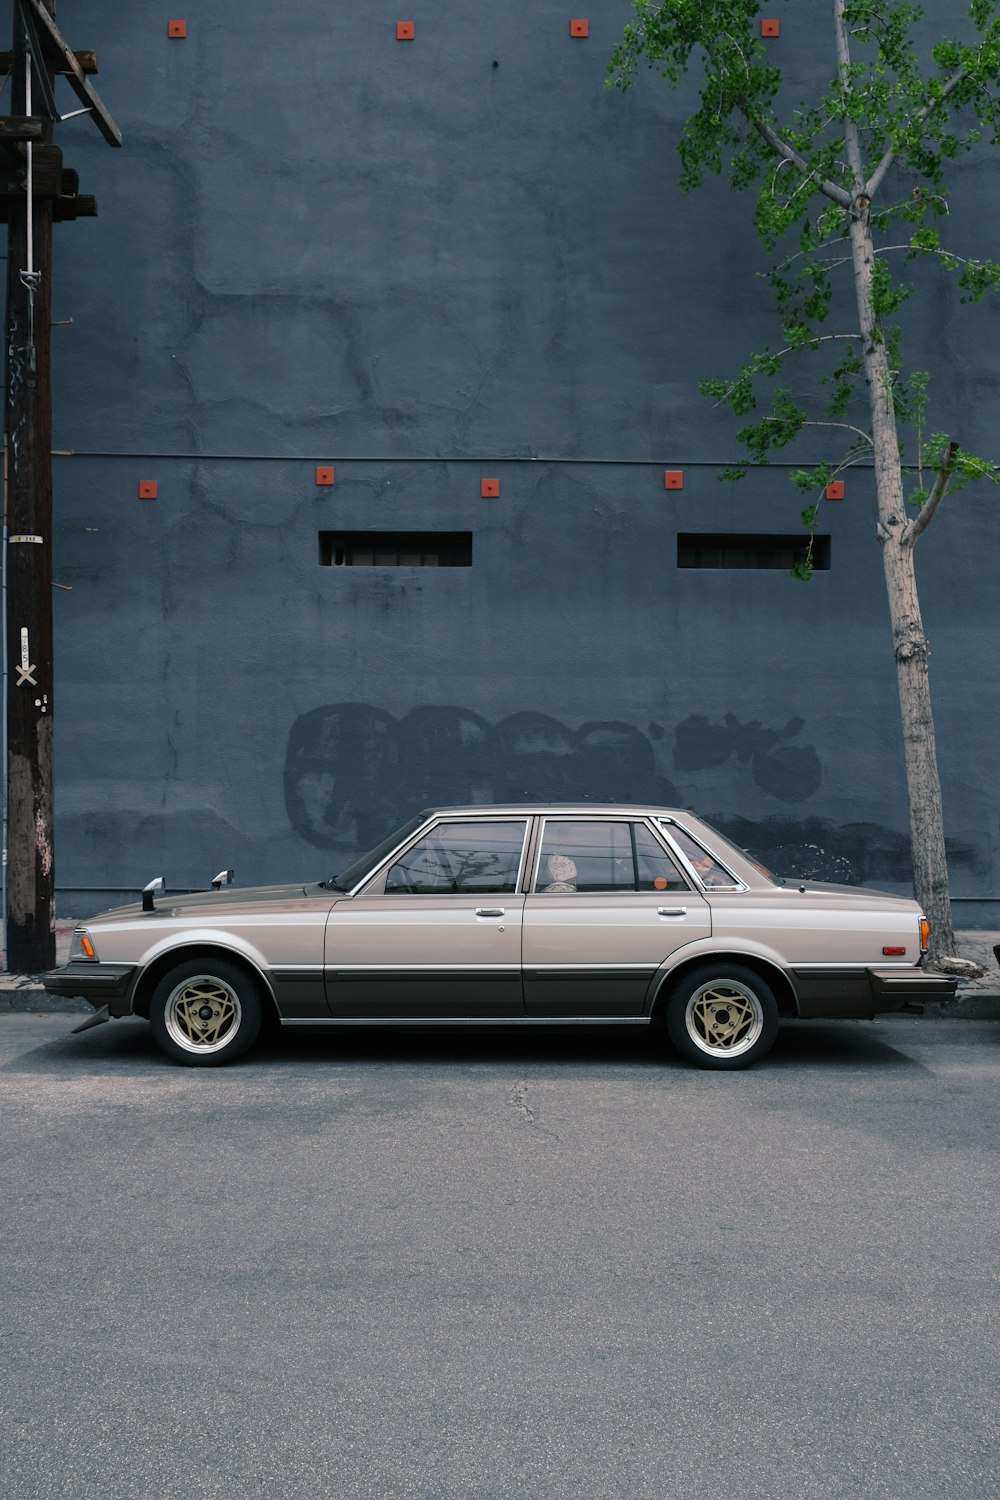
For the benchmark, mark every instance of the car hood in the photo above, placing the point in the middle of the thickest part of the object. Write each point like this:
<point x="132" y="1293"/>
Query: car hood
<point x="209" y="901"/>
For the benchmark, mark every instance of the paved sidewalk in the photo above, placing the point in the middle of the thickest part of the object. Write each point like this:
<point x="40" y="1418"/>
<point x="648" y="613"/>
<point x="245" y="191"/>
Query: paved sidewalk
<point x="977" y="999"/>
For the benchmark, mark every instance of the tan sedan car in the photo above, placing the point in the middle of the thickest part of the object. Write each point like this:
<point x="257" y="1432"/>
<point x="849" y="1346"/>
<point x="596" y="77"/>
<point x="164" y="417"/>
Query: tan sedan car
<point x="511" y="916"/>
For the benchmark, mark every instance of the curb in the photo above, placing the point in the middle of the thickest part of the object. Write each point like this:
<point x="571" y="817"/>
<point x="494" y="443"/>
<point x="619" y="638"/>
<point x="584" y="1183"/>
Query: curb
<point x="24" y="996"/>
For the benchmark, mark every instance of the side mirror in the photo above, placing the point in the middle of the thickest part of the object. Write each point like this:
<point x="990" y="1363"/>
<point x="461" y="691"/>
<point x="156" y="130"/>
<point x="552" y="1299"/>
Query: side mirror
<point x="147" y="893"/>
<point x="224" y="877"/>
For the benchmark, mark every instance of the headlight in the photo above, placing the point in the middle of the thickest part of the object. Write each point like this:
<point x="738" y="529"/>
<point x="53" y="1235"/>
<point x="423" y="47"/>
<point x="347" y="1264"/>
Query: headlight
<point x="82" y="947"/>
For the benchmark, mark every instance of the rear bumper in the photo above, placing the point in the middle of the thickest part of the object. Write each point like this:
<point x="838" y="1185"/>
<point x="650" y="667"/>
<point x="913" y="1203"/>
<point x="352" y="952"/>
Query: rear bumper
<point x="860" y="994"/>
<point x="100" y="984"/>
<point x="892" y="988"/>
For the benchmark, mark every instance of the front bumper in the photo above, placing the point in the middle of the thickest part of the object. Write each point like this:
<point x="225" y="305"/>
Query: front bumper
<point x="100" y="984"/>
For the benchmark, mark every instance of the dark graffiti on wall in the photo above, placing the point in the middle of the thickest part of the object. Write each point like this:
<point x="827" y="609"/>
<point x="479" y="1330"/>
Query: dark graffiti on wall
<point x="846" y="853"/>
<point x="789" y="772"/>
<point x="353" y="771"/>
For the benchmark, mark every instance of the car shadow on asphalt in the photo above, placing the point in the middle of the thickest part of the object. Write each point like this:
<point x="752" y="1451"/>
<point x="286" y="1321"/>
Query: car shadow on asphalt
<point x="129" y="1046"/>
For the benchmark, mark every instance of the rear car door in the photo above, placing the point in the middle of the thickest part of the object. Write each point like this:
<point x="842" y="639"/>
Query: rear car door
<point x="608" y="905"/>
<point x="438" y="933"/>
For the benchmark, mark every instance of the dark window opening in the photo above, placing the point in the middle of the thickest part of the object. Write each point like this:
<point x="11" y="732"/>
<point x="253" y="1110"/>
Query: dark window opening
<point x="395" y="549"/>
<point x="733" y="549"/>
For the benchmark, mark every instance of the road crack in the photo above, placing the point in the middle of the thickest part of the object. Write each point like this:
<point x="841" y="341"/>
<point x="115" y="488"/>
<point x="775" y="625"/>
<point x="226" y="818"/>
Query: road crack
<point x="518" y="1099"/>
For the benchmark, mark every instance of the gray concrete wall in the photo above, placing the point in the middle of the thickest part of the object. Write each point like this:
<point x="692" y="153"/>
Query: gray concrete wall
<point x="428" y="263"/>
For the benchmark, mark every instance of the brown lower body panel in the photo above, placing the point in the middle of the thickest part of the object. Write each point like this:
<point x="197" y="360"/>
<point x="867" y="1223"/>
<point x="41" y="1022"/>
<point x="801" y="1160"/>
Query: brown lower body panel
<point x="860" y="994"/>
<point x="373" y="994"/>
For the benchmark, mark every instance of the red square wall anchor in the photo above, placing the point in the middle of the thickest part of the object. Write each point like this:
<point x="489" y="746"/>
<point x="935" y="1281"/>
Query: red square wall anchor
<point x="405" y="31"/>
<point x="489" y="489"/>
<point x="325" y="474"/>
<point x="579" y="28"/>
<point x="177" y="28"/>
<point x="835" y="491"/>
<point x="147" y="489"/>
<point x="673" y="479"/>
<point x="770" y="28"/>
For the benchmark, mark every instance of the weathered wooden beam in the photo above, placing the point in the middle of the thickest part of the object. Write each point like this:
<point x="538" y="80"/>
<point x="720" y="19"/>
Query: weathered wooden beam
<point x="75" y="206"/>
<point x="67" y="200"/>
<point x="86" y="61"/>
<point x="52" y="38"/>
<point x="46" y="175"/>
<point x="21" y="128"/>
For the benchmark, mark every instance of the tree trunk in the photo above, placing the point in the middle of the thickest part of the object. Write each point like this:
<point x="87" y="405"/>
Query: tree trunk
<point x="930" y="867"/>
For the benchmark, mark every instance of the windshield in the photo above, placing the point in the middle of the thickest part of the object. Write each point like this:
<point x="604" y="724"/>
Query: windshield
<point x="348" y="878"/>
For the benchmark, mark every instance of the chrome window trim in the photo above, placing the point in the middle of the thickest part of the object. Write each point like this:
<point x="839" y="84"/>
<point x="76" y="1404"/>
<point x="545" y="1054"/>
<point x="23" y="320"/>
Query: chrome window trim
<point x="441" y="819"/>
<point x="688" y="868"/>
<point x="545" y="819"/>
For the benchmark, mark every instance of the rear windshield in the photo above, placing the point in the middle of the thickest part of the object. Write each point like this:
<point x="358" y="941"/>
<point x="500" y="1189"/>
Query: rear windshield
<point x="727" y="844"/>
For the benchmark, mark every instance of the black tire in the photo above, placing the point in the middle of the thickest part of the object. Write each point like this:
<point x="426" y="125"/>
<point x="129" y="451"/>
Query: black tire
<point x="206" y="1012"/>
<point x="722" y="1016"/>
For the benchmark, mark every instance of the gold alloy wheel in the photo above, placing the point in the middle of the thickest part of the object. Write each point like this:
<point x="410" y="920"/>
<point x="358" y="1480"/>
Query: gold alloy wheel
<point x="724" y="1018"/>
<point x="202" y="1014"/>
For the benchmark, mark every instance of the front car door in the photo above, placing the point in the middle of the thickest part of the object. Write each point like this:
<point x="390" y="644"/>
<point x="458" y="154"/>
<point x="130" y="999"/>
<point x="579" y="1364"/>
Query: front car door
<point x="437" y="933"/>
<point x="607" y="906"/>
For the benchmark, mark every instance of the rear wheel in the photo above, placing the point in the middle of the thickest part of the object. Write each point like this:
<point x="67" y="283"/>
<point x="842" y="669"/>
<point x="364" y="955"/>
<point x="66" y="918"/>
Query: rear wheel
<point x="206" y="1012"/>
<point x="722" y="1016"/>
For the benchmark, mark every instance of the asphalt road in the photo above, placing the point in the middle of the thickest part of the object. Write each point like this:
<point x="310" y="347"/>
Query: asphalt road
<point x="496" y="1266"/>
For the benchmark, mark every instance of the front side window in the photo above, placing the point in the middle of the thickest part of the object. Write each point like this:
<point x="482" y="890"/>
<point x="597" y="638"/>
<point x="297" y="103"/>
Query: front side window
<point x="462" y="858"/>
<point x="603" y="856"/>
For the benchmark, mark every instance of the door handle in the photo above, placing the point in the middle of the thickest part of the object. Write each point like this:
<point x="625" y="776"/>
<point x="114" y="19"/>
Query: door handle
<point x="489" y="911"/>
<point x="671" y="911"/>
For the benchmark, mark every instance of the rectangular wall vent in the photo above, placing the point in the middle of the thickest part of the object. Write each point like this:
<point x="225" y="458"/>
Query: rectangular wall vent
<point x="395" y="549"/>
<point x="741" y="549"/>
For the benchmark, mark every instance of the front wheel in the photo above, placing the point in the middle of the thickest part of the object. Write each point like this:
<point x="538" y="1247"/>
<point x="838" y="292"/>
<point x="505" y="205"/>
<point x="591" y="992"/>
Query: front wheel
<point x="722" y="1016"/>
<point x="206" y="1012"/>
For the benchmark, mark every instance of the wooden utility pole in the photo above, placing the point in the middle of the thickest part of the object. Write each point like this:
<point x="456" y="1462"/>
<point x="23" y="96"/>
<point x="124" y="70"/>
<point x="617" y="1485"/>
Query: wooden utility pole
<point x="30" y="854"/>
<point x="34" y="190"/>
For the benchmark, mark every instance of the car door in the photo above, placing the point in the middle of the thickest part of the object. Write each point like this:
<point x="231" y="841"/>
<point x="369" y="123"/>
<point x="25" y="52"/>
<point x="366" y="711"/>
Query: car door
<point x="608" y="905"/>
<point x="438" y="933"/>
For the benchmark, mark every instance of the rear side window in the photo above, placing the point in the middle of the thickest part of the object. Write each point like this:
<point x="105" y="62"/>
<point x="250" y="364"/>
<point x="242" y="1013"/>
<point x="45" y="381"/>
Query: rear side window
<point x="471" y="858"/>
<point x="706" y="866"/>
<point x="593" y="856"/>
<point x="656" y="870"/>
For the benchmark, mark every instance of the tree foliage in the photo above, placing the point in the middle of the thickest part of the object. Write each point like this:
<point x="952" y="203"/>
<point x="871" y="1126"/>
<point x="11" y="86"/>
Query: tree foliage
<point x="913" y="110"/>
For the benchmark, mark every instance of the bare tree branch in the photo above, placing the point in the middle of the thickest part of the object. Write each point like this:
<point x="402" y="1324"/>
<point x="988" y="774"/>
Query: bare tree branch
<point x="831" y="189"/>
<point x="920" y="523"/>
<point x="875" y="180"/>
<point x="825" y="338"/>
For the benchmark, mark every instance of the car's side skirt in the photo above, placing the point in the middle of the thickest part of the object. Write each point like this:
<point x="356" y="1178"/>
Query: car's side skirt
<point x="364" y="1021"/>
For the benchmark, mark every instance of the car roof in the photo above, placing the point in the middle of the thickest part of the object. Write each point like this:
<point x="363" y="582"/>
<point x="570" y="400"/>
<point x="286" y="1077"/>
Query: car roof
<point x="631" y="809"/>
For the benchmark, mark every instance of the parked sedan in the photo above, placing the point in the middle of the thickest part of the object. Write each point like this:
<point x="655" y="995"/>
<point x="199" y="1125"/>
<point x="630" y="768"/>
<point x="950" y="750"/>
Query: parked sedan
<point x="511" y="916"/>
